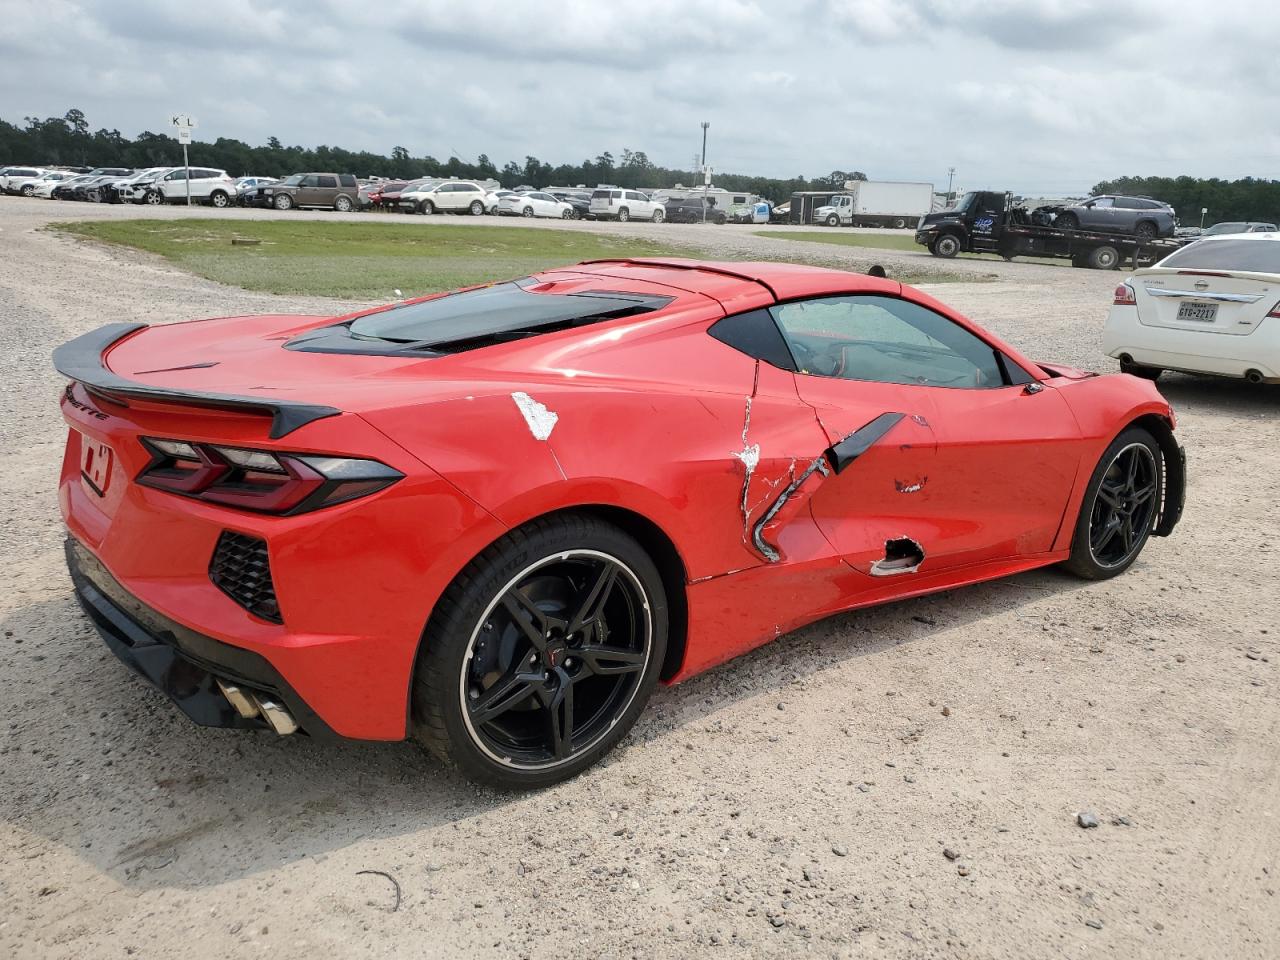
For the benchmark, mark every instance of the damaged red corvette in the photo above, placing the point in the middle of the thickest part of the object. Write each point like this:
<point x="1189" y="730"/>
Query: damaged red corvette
<point x="491" y="520"/>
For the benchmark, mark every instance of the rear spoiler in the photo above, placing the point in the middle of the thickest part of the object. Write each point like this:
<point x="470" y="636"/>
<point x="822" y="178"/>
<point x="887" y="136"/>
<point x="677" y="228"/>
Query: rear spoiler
<point x="81" y="360"/>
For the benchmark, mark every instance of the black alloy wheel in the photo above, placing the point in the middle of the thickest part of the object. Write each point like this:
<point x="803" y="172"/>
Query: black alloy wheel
<point x="1120" y="506"/>
<point x="1145" y="231"/>
<point x="1067" y="221"/>
<point x="558" y="656"/>
<point x="542" y="653"/>
<point x="1124" y="506"/>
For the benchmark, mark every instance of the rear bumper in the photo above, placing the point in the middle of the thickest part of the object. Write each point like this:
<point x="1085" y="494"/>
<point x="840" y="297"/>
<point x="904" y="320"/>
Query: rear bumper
<point x="181" y="663"/>
<point x="1192" y="351"/>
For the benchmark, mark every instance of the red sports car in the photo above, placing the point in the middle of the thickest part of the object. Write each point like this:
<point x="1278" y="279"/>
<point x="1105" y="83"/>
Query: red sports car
<point x="492" y="520"/>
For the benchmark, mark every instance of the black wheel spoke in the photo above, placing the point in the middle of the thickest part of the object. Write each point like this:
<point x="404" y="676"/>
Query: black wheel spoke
<point x="560" y="719"/>
<point x="533" y="623"/>
<point x="1143" y="494"/>
<point x="513" y="689"/>
<point x="604" y="661"/>
<point x="1109" y="495"/>
<point x="593" y="598"/>
<point x="1124" y="505"/>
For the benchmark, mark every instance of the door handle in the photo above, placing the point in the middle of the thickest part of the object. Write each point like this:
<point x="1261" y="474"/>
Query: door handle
<point x="1031" y="389"/>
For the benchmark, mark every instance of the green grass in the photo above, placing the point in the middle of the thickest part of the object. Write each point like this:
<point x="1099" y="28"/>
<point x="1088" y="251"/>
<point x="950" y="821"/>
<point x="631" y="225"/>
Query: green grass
<point x="360" y="261"/>
<point x="846" y="238"/>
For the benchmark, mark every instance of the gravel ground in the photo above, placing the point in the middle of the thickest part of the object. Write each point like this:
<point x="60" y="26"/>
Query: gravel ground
<point x="806" y="798"/>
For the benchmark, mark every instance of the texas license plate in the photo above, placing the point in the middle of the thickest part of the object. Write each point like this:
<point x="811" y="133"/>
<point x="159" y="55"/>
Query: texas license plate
<point x="96" y="460"/>
<point x="1199" y="312"/>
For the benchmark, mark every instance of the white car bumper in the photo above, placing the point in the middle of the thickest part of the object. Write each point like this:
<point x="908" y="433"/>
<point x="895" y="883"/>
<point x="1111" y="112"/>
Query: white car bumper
<point x="1192" y="351"/>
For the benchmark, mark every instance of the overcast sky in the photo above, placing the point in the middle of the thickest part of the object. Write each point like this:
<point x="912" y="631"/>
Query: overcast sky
<point x="1038" y="96"/>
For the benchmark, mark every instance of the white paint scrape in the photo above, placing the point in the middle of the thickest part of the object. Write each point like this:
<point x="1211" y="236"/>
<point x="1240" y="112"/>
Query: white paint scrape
<point x="749" y="456"/>
<point x="541" y="421"/>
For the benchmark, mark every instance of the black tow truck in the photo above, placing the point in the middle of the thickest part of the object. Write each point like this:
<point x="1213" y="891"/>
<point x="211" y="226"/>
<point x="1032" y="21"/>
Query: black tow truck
<point x="987" y="221"/>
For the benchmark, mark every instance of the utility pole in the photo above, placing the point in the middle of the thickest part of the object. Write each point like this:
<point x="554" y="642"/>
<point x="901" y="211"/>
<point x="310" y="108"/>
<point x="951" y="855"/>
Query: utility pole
<point x="951" y="174"/>
<point x="706" y="180"/>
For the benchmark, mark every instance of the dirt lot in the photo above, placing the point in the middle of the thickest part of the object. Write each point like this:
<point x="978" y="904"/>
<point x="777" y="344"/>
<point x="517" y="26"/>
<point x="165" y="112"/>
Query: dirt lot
<point x="796" y="801"/>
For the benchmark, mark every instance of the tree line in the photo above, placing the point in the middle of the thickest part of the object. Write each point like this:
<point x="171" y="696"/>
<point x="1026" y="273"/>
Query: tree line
<point x="67" y="141"/>
<point x="1247" y="199"/>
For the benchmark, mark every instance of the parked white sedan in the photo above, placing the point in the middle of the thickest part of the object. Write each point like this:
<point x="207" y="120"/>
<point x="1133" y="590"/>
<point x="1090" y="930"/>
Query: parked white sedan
<point x="1211" y="307"/>
<point x="44" y="186"/>
<point x="535" y="204"/>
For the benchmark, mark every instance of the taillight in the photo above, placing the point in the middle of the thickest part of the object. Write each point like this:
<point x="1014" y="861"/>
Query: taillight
<point x="1275" y="311"/>
<point x="1125" y="297"/>
<point x="260" y="480"/>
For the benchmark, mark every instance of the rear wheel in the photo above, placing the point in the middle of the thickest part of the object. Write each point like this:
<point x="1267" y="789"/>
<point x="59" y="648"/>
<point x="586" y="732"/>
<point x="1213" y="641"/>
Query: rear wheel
<point x="541" y="654"/>
<point x="946" y="246"/>
<point x="477" y="208"/>
<point x="1104" y="258"/>
<point x="899" y="223"/>
<point x="219" y="199"/>
<point x="27" y="190"/>
<point x="527" y="212"/>
<point x="342" y="204"/>
<point x="624" y="215"/>
<point x="1119" y="508"/>
<point x="1145" y="231"/>
<point x="567" y="214"/>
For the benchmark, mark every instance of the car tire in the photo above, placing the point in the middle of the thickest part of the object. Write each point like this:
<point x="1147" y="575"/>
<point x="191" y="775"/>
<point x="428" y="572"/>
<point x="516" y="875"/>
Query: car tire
<point x="946" y="246"/>
<point x="282" y="201"/>
<point x="899" y="224"/>
<point x="485" y="626"/>
<point x="1146" y="231"/>
<point x="93" y="196"/>
<point x="566" y="215"/>
<point x="1121" y="503"/>
<point x="342" y="204"/>
<point x="1138" y="370"/>
<point x="219" y="199"/>
<point x="833" y="221"/>
<point x="659" y="215"/>
<point x="721" y="220"/>
<point x="426" y="208"/>
<point x="527" y="212"/>
<point x="153" y="197"/>
<point x="477" y="208"/>
<point x="27" y="190"/>
<point x="1103" y="258"/>
<point x="1067" y="221"/>
<point x="624" y="215"/>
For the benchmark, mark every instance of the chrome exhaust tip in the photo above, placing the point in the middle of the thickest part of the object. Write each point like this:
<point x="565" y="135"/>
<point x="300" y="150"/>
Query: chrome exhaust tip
<point x="280" y="719"/>
<point x="243" y="703"/>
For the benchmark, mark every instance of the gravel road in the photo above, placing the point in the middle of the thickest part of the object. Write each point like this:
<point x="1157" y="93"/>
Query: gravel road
<point x="797" y="801"/>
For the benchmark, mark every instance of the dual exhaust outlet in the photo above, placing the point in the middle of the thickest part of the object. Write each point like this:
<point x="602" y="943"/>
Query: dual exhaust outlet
<point x="255" y="705"/>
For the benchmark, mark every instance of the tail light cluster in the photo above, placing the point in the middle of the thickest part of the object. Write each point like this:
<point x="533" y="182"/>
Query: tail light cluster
<point x="1125" y="297"/>
<point x="1275" y="311"/>
<point x="264" y="481"/>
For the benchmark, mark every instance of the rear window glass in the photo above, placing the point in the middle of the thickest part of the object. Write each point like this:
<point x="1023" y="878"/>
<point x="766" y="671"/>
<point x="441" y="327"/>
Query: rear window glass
<point x="1255" y="256"/>
<point x="504" y="311"/>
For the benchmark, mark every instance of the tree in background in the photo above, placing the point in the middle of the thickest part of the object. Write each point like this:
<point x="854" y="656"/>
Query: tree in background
<point x="1247" y="199"/>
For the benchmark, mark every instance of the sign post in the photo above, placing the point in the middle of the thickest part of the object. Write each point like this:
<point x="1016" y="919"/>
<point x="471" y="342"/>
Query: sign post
<point x="184" y="124"/>
<point x="706" y="185"/>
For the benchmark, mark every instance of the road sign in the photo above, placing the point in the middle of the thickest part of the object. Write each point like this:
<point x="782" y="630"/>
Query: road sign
<point x="182" y="120"/>
<point x="184" y="135"/>
<point x="706" y="175"/>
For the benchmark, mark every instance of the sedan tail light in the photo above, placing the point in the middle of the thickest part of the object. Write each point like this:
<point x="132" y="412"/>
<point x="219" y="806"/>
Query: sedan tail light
<point x="264" y="481"/>
<point x="1125" y="297"/>
<point x="1275" y="311"/>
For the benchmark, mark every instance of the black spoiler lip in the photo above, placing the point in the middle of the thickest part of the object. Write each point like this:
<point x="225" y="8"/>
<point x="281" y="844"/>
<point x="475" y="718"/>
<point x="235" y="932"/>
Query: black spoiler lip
<point x="81" y="360"/>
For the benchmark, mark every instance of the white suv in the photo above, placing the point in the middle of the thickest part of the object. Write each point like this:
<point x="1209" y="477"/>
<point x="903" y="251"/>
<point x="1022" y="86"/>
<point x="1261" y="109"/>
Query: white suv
<point x="20" y="179"/>
<point x="447" y="196"/>
<point x="624" y="205"/>
<point x="213" y="187"/>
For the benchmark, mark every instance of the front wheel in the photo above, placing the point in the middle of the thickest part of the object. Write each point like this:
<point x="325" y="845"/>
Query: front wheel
<point x="527" y="212"/>
<point x="1067" y="221"/>
<point x="426" y="207"/>
<point x="659" y="215"/>
<point x="1120" y="507"/>
<point x="833" y="221"/>
<point x="153" y="197"/>
<point x="946" y="246"/>
<point x="542" y="653"/>
<point x="283" y="201"/>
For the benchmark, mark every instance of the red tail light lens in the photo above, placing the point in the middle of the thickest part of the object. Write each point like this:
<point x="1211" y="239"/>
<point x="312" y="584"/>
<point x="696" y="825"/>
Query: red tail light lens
<point x="1125" y="297"/>
<point x="263" y="481"/>
<point x="1275" y="311"/>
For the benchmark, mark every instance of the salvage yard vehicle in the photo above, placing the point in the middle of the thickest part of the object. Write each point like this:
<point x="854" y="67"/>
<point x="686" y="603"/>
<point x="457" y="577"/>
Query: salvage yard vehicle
<point x="445" y="196"/>
<point x="624" y="205"/>
<point x="1212" y="307"/>
<point x="20" y="180"/>
<point x="492" y="520"/>
<point x="988" y="221"/>
<point x="694" y="210"/>
<point x="535" y="203"/>
<point x="876" y="203"/>
<point x="580" y="200"/>
<point x="203" y="185"/>
<point x="43" y="187"/>
<point x="1238" y="226"/>
<point x="135" y="187"/>
<point x="336" y="191"/>
<point x="1141" y="217"/>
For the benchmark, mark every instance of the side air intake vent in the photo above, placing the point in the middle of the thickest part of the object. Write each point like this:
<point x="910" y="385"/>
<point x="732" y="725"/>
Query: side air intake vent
<point x="241" y="570"/>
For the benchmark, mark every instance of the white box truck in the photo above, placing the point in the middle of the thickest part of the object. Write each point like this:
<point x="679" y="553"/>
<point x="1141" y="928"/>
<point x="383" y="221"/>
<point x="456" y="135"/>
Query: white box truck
<point x="877" y="203"/>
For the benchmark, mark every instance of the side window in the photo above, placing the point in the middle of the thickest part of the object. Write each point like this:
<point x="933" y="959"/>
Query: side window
<point x="330" y="182"/>
<point x="756" y="334"/>
<point x="177" y="175"/>
<point x="885" y="340"/>
<point x="347" y="179"/>
<point x="309" y="181"/>
<point x="1104" y="203"/>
